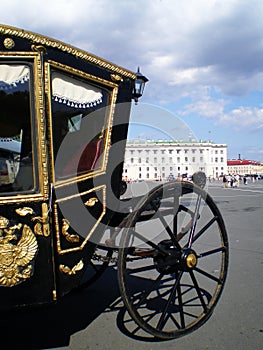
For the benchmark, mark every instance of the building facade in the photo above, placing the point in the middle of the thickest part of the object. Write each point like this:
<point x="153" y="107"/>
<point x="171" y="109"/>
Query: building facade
<point x="160" y="160"/>
<point x="244" y="167"/>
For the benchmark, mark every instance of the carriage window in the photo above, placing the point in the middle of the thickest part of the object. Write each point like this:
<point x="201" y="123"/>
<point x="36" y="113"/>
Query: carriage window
<point x="78" y="117"/>
<point x="16" y="166"/>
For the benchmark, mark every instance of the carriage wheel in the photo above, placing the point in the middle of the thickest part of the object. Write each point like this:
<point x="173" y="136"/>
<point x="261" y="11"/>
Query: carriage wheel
<point x="173" y="262"/>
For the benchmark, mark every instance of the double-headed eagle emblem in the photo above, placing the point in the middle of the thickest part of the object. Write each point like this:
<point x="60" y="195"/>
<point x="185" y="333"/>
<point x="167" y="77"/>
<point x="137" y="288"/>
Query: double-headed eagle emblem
<point x="18" y="247"/>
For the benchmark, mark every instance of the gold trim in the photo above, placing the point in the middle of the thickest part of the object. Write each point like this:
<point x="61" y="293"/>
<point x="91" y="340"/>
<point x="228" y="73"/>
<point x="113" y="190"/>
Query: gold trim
<point x="38" y="130"/>
<point x="79" y="248"/>
<point x="54" y="295"/>
<point x="81" y="74"/>
<point x="49" y="42"/>
<point x="68" y="271"/>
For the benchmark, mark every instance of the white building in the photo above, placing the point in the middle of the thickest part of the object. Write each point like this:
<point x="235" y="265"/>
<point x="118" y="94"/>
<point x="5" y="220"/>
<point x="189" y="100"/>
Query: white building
<point x="159" y="160"/>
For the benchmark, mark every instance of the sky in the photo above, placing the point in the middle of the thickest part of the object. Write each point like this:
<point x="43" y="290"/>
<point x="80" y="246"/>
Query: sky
<point x="203" y="59"/>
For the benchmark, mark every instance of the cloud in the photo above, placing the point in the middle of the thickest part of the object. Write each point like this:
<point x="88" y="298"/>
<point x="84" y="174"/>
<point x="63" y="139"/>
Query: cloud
<point x="188" y="49"/>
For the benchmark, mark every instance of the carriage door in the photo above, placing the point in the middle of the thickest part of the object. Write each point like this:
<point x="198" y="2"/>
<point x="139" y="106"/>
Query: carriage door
<point x="26" y="268"/>
<point x="81" y="114"/>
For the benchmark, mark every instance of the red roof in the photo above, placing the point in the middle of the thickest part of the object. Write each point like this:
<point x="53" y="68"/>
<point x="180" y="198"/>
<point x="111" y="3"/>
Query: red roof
<point x="242" y="162"/>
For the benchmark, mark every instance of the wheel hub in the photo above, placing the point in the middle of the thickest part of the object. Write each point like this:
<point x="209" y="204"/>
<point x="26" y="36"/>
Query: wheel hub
<point x="190" y="259"/>
<point x="175" y="259"/>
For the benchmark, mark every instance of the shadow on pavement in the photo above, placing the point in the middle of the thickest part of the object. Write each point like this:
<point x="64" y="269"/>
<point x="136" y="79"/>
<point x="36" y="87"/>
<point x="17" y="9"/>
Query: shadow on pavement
<point x="51" y="326"/>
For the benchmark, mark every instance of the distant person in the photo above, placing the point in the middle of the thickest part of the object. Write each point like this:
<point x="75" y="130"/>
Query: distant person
<point x="225" y="181"/>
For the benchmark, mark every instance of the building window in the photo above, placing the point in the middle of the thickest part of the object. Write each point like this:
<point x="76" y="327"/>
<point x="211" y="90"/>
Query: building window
<point x="178" y="159"/>
<point x="139" y="160"/>
<point x="170" y="151"/>
<point x="186" y="159"/>
<point x="193" y="159"/>
<point x="222" y="159"/>
<point x="132" y="160"/>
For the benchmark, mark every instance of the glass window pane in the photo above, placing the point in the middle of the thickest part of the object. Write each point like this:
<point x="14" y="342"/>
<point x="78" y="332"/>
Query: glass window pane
<point x="16" y="166"/>
<point x="78" y="118"/>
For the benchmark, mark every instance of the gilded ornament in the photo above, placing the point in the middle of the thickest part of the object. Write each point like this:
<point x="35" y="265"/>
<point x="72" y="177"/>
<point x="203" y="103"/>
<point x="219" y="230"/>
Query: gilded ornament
<point x="42" y="226"/>
<point x="9" y="43"/>
<point x="91" y="202"/>
<point x="69" y="237"/>
<point x="39" y="48"/>
<point x="24" y="211"/>
<point x="68" y="271"/>
<point x="117" y="78"/>
<point x="16" y="256"/>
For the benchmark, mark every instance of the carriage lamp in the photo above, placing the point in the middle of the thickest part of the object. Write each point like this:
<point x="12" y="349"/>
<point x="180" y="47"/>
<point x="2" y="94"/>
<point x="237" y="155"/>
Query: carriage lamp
<point x="139" y="86"/>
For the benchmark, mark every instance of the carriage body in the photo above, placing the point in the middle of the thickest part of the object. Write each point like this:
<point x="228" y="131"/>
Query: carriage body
<point x="63" y="129"/>
<point x="49" y="91"/>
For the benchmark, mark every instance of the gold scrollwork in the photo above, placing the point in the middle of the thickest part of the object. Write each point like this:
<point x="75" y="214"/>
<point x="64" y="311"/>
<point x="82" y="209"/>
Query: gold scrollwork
<point x="69" y="237"/>
<point x="39" y="48"/>
<point x="68" y="271"/>
<point x="91" y="202"/>
<point x="117" y="78"/>
<point x="16" y="259"/>
<point x="42" y="226"/>
<point x="24" y="211"/>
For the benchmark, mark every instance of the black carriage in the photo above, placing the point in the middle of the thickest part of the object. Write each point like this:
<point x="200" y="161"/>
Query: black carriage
<point x="63" y="128"/>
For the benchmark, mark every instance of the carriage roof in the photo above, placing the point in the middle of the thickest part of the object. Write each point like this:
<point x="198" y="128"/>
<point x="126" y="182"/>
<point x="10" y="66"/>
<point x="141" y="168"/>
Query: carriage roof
<point x="37" y="39"/>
